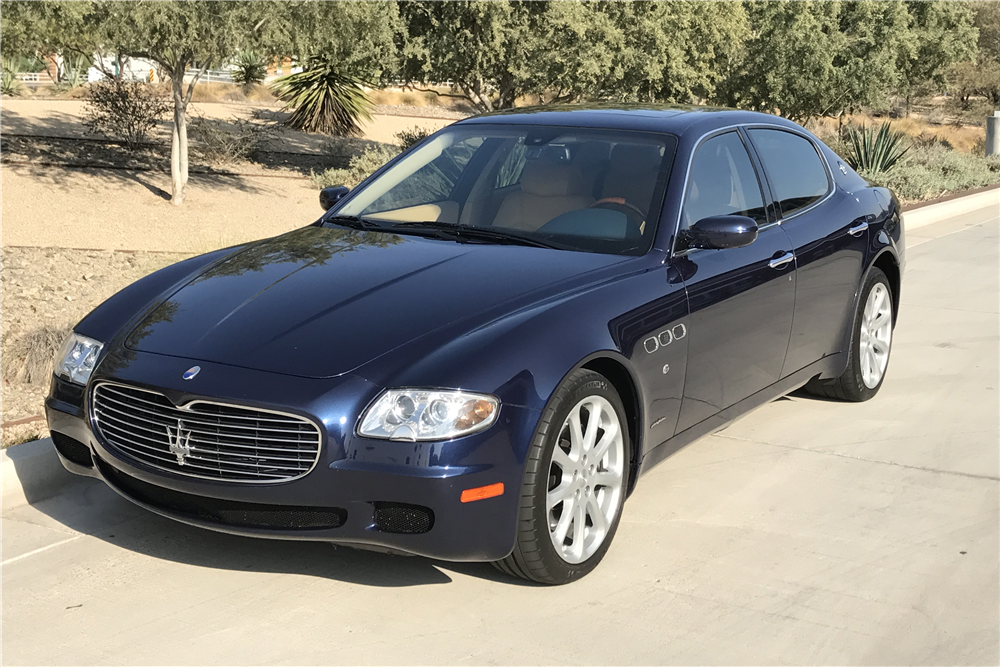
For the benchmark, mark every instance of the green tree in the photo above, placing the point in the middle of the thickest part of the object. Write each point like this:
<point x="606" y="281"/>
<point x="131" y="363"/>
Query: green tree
<point x="941" y="34"/>
<point x="179" y="35"/>
<point x="358" y="36"/>
<point x="482" y="47"/>
<point x="175" y="35"/>
<point x="807" y="59"/>
<point x="675" y="51"/>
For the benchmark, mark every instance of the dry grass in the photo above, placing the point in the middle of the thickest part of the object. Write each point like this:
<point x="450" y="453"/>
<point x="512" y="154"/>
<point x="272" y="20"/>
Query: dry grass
<point x="27" y="358"/>
<point x="963" y="139"/>
<point x="415" y="98"/>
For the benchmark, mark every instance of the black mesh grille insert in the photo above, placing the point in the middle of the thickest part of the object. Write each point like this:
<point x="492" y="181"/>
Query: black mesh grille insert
<point x="72" y="449"/>
<point x="400" y="518"/>
<point x="225" y="512"/>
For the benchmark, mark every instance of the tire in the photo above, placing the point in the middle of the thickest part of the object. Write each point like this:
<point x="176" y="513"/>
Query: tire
<point x="562" y="474"/>
<point x="871" y="345"/>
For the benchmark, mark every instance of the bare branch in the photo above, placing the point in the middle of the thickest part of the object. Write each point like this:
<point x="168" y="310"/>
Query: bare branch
<point x="187" y="98"/>
<point x="409" y="84"/>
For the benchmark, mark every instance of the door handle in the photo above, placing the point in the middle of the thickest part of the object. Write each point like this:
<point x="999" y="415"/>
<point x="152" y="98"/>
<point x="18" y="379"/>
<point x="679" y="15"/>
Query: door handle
<point x="781" y="260"/>
<point x="858" y="229"/>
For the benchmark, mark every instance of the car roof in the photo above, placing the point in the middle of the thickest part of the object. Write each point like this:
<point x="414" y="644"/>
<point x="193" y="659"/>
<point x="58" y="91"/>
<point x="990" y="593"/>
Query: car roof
<point x="672" y="119"/>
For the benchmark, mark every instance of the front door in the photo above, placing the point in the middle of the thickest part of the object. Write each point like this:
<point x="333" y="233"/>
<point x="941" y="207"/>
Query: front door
<point x="741" y="300"/>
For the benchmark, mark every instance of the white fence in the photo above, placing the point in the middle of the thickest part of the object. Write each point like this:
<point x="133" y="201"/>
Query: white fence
<point x="210" y="76"/>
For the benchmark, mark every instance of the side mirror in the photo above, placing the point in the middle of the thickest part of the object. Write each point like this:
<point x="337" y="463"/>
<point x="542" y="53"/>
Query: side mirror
<point x="331" y="195"/>
<point x="721" y="231"/>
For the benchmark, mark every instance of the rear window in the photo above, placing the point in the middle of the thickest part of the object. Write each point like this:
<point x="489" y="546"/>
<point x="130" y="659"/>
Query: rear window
<point x="794" y="168"/>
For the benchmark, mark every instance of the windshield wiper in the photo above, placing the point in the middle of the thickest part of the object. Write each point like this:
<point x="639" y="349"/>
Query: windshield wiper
<point x="466" y="233"/>
<point x="353" y="221"/>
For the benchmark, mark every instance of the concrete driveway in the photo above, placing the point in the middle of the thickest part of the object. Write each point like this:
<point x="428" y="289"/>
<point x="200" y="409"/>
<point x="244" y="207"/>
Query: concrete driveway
<point x="810" y="532"/>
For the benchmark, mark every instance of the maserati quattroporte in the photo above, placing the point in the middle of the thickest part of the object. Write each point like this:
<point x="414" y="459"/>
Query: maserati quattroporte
<point x="476" y="353"/>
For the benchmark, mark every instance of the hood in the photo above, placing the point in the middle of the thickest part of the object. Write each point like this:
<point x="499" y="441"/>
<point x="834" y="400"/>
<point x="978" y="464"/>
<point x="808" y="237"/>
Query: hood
<point x="320" y="302"/>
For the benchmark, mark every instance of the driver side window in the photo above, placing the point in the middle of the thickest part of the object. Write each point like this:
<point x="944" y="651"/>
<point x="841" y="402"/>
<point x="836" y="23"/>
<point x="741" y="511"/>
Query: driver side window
<point x="722" y="182"/>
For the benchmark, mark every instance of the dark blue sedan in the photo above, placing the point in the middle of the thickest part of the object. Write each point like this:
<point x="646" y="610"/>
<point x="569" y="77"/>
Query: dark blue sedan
<point x="475" y="354"/>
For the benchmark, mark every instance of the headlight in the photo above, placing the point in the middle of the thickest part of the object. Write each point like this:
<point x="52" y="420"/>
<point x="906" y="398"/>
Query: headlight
<point x="77" y="358"/>
<point x="427" y="414"/>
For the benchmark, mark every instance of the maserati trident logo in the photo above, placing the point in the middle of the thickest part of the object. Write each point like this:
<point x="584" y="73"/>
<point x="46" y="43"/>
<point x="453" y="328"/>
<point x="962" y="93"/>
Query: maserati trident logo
<point x="191" y="372"/>
<point x="179" y="440"/>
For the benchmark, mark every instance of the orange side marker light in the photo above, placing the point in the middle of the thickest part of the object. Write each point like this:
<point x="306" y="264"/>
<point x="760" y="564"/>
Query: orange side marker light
<point x="482" y="492"/>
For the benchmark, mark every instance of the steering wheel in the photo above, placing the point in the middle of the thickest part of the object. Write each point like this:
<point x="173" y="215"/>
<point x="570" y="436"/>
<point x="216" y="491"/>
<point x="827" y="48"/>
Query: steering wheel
<point x="619" y="204"/>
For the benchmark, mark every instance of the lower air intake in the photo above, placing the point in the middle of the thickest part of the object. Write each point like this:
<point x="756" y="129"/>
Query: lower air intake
<point x="400" y="518"/>
<point x="225" y="512"/>
<point x="72" y="450"/>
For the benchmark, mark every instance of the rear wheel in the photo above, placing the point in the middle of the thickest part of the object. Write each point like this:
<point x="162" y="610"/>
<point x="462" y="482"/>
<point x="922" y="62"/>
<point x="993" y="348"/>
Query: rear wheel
<point x="574" y="483"/>
<point x="871" y="343"/>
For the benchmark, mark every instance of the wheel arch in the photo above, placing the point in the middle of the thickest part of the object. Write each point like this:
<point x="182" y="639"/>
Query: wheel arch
<point x="622" y="379"/>
<point x="889" y="265"/>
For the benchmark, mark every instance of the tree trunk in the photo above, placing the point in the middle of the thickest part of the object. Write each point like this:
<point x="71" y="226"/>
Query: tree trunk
<point x="178" y="139"/>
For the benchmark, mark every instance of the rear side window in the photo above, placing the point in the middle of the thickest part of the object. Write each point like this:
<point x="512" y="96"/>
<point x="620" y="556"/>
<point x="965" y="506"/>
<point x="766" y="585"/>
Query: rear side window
<point x="722" y="182"/>
<point x="794" y="168"/>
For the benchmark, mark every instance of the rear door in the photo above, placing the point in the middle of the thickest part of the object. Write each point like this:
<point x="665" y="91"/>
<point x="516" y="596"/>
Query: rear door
<point x="741" y="299"/>
<point x="829" y="235"/>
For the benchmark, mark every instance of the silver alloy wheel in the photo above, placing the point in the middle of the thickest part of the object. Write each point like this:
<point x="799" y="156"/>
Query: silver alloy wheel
<point x="585" y="479"/>
<point x="876" y="334"/>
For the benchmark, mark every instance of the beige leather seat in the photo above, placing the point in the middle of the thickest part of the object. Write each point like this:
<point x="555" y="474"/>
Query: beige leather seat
<point x="547" y="190"/>
<point x="632" y="174"/>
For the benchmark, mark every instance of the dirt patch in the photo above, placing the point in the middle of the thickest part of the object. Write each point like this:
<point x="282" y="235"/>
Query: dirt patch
<point x="129" y="210"/>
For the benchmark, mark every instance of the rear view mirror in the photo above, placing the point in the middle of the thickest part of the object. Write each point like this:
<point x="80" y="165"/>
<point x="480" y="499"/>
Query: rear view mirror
<point x="721" y="231"/>
<point x="331" y="195"/>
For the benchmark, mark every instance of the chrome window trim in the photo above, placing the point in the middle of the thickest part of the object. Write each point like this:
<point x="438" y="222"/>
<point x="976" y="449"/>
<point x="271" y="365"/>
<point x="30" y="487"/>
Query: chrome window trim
<point x="831" y="182"/>
<point x="187" y="406"/>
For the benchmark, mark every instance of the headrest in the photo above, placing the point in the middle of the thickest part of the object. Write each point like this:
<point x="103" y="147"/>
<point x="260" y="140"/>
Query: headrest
<point x="547" y="179"/>
<point x="635" y="158"/>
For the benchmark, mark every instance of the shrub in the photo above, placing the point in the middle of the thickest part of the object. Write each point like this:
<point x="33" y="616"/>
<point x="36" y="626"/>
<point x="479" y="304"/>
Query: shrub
<point x="227" y="141"/>
<point x="28" y="357"/>
<point x="9" y="69"/>
<point x="249" y="69"/>
<point x="323" y="100"/>
<point x="412" y="136"/>
<point x="10" y="84"/>
<point x="125" y="110"/>
<point x="933" y="170"/>
<point x="361" y="167"/>
<point x="874" y="150"/>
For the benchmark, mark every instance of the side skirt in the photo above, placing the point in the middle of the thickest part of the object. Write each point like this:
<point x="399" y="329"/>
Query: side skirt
<point x="722" y="419"/>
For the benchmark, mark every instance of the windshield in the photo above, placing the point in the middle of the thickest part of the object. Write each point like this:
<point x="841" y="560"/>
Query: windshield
<point x="592" y="190"/>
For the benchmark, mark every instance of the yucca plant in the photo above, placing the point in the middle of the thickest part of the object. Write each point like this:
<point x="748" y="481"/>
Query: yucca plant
<point x="249" y="69"/>
<point x="874" y="150"/>
<point x="323" y="100"/>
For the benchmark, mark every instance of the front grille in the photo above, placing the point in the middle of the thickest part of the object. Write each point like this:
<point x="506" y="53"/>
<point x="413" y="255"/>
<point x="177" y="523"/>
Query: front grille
<point x="401" y="518"/>
<point x="204" y="439"/>
<point x="224" y="512"/>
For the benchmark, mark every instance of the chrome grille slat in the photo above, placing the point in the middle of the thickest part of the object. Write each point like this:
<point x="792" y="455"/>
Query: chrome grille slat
<point x="222" y="435"/>
<point x="290" y="419"/>
<point x="193" y="417"/>
<point x="224" y="442"/>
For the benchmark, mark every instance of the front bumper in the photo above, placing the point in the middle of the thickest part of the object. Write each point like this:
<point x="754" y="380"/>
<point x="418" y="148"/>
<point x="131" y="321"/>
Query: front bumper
<point x="358" y="493"/>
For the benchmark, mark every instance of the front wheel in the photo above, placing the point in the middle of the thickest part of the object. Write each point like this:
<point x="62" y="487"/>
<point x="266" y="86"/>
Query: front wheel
<point x="871" y="343"/>
<point x="574" y="483"/>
